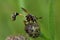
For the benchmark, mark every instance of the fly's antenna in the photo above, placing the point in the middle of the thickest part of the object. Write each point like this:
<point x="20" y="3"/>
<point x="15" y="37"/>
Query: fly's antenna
<point x="25" y="10"/>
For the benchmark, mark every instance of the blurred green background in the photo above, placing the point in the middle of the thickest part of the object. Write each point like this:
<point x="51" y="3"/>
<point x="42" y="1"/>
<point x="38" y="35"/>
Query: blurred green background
<point x="48" y="9"/>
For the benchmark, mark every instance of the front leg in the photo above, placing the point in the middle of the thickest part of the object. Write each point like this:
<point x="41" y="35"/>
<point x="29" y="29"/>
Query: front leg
<point x="25" y="22"/>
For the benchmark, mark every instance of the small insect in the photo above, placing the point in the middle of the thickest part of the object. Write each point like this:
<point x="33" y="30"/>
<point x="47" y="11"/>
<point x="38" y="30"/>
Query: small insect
<point x="18" y="37"/>
<point x="14" y="15"/>
<point x="31" y="26"/>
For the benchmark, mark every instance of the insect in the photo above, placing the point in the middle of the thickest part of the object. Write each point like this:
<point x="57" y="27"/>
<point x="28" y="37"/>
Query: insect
<point x="16" y="37"/>
<point x="14" y="15"/>
<point x="31" y="26"/>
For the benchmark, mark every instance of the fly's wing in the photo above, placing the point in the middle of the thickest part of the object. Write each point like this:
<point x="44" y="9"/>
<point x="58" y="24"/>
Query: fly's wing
<point x="25" y="10"/>
<point x="29" y="13"/>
